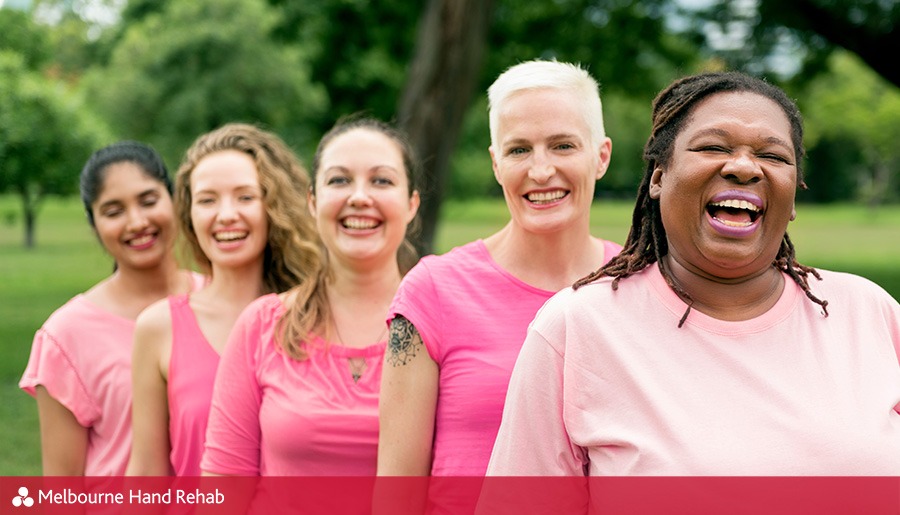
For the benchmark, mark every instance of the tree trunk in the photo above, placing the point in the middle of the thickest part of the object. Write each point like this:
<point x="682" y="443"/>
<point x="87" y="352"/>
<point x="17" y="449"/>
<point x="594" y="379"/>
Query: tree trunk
<point x="452" y="36"/>
<point x="28" y="212"/>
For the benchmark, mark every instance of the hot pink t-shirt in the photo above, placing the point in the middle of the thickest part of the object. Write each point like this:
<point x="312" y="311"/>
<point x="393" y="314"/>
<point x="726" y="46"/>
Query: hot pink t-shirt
<point x="82" y="356"/>
<point x="472" y="316"/>
<point x="192" y="372"/>
<point x="607" y="384"/>
<point x="273" y="415"/>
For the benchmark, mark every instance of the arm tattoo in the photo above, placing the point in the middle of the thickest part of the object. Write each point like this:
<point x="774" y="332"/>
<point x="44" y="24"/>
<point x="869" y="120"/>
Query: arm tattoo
<point x="404" y="342"/>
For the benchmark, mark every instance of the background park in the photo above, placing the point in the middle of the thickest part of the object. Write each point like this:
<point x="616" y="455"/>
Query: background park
<point x="78" y="74"/>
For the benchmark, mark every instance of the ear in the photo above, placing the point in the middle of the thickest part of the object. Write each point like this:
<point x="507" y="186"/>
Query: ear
<point x="414" y="201"/>
<point x="793" y="212"/>
<point x="604" y="155"/>
<point x="656" y="183"/>
<point x="494" y="165"/>
<point x="311" y="201"/>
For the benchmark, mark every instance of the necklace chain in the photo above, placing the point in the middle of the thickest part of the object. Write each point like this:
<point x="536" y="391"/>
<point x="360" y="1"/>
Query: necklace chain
<point x="357" y="364"/>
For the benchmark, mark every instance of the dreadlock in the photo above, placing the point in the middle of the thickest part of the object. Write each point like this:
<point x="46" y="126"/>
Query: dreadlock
<point x="646" y="242"/>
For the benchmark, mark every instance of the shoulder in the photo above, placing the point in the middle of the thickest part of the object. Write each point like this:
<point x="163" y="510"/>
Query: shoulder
<point x="853" y="290"/>
<point x="155" y="320"/>
<point x="264" y="311"/>
<point x="71" y="316"/>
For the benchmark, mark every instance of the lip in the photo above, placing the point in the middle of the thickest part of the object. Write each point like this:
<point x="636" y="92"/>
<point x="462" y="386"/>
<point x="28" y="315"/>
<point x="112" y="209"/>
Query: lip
<point x="546" y="205"/>
<point x="229" y="244"/>
<point x="360" y="231"/>
<point x="145" y="240"/>
<point x="730" y="230"/>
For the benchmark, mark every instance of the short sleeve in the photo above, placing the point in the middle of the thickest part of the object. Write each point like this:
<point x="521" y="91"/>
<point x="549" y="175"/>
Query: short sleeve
<point x="418" y="301"/>
<point x="52" y="366"/>
<point x="533" y="440"/>
<point x="233" y="432"/>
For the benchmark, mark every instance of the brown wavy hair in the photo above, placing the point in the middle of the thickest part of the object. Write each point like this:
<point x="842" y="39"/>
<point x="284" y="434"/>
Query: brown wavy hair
<point x="646" y="242"/>
<point x="292" y="253"/>
<point x="307" y="304"/>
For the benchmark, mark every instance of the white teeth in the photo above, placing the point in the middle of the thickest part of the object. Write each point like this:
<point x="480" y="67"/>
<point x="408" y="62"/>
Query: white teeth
<point x="546" y="196"/>
<point x="359" y="223"/>
<point x="143" y="240"/>
<point x="735" y="224"/>
<point x="736" y="204"/>
<point x="230" y="235"/>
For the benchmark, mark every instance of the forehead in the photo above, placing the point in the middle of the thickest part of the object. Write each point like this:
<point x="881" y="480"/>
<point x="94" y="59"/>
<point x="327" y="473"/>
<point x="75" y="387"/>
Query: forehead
<point x="226" y="168"/>
<point x="739" y="108"/>
<point x="537" y="113"/>
<point x="362" y="147"/>
<point x="125" y="179"/>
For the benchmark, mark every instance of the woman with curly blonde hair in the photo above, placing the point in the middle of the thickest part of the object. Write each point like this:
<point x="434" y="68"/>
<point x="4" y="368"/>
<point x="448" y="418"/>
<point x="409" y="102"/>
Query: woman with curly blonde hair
<point x="240" y="201"/>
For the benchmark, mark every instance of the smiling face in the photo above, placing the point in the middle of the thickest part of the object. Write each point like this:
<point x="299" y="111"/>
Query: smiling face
<point x="133" y="217"/>
<point x="546" y="162"/>
<point x="727" y="193"/>
<point x="362" y="202"/>
<point x="227" y="209"/>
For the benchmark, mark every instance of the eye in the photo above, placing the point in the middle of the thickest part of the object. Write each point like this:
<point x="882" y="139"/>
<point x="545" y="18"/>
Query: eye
<point x="517" y="151"/>
<point x="204" y="201"/>
<point x="337" y="180"/>
<point x="149" y="202"/>
<point x="710" y="148"/>
<point x="247" y="197"/>
<point x="382" y="181"/>
<point x="776" y="157"/>
<point x="565" y="146"/>
<point x="111" y="213"/>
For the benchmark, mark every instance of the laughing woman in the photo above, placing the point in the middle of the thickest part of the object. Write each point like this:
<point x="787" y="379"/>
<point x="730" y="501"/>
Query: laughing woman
<point x="80" y="365"/>
<point x="297" y="390"/>
<point x="726" y="355"/>
<point x="239" y="199"/>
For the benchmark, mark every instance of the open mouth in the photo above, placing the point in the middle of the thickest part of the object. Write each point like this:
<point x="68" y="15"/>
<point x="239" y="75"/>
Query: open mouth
<point x="734" y="212"/>
<point x="359" y="223"/>
<point x="545" y="197"/>
<point x="225" y="236"/>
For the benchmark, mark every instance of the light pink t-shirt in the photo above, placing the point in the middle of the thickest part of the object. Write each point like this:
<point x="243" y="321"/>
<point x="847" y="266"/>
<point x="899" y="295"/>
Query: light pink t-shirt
<point x="82" y="356"/>
<point x="472" y="316"/>
<point x="273" y="415"/>
<point x="607" y="384"/>
<point x="192" y="372"/>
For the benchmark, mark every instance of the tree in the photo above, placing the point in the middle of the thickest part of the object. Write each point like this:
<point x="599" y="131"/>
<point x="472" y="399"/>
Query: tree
<point x="762" y="32"/>
<point x="193" y="66"/>
<point x="45" y="137"/>
<point x="451" y="41"/>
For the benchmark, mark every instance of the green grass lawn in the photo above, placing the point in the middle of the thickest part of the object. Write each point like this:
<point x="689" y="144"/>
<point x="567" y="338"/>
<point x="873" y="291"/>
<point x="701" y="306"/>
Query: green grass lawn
<point x="68" y="260"/>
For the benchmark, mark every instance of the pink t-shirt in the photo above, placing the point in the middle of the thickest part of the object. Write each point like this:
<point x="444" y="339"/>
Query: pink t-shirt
<point x="472" y="316"/>
<point x="272" y="415"/>
<point x="607" y="384"/>
<point x="192" y="372"/>
<point x="82" y="356"/>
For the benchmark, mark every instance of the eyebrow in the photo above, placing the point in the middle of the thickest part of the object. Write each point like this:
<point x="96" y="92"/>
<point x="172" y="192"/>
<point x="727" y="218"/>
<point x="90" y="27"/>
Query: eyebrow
<point x="553" y="137"/>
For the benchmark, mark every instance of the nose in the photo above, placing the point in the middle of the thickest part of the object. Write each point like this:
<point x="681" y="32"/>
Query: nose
<point x="541" y="169"/>
<point x="137" y="219"/>
<point x="227" y="212"/>
<point x="742" y="168"/>
<point x="360" y="196"/>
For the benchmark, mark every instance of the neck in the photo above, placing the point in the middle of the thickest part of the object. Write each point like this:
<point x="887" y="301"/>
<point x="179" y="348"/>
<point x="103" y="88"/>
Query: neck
<point x="550" y="261"/>
<point x="237" y="286"/>
<point x="730" y="299"/>
<point x="359" y="298"/>
<point x="157" y="282"/>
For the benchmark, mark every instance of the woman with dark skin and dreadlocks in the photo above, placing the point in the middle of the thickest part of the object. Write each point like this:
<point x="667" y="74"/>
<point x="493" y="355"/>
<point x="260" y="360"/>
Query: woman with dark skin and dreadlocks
<point x="705" y="347"/>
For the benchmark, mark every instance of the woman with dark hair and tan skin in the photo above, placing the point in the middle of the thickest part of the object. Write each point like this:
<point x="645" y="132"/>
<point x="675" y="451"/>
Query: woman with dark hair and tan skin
<point x="239" y="198"/>
<point x="297" y="391"/>
<point x="80" y="365"/>
<point x="705" y="348"/>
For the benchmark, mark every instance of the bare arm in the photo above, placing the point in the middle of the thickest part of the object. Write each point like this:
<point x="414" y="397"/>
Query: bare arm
<point x="64" y="441"/>
<point x="150" y="423"/>
<point x="409" y="390"/>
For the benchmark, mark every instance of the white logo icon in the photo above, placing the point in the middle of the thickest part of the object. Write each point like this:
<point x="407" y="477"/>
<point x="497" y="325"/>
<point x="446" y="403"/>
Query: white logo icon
<point x="22" y="499"/>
